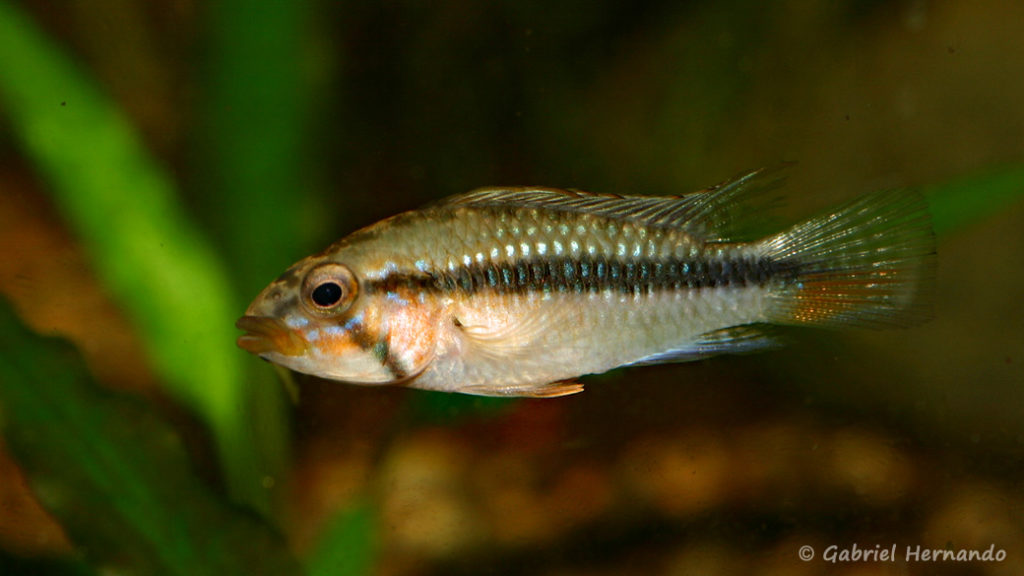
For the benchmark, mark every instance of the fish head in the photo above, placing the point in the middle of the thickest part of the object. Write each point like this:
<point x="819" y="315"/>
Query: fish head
<point x="312" y="319"/>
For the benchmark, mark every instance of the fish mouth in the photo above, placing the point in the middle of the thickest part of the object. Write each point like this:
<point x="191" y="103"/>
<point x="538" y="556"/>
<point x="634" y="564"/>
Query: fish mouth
<point x="268" y="334"/>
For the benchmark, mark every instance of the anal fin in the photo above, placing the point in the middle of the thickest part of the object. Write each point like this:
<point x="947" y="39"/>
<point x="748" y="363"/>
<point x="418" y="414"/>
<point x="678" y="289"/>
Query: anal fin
<point x="741" y="339"/>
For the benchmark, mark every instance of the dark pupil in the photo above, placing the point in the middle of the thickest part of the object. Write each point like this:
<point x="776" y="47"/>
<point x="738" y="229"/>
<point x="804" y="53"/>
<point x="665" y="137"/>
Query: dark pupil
<point x="327" y="294"/>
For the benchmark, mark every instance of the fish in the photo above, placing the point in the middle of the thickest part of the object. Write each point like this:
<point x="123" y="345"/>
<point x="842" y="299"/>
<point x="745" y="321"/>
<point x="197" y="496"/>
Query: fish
<point x="520" y="291"/>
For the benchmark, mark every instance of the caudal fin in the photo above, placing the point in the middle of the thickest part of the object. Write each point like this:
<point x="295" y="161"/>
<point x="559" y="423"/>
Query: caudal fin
<point x="869" y="263"/>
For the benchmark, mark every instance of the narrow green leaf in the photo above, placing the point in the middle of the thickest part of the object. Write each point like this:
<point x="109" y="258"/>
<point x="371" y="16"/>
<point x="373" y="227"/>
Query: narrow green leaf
<point x="124" y="209"/>
<point x="348" y="546"/>
<point x="114" y="474"/>
<point x="255" y="194"/>
<point x="256" y="170"/>
<point x="964" y="201"/>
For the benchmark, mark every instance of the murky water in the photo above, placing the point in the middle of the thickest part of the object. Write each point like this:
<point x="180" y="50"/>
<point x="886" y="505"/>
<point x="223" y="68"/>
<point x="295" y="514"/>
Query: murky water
<point x="855" y="452"/>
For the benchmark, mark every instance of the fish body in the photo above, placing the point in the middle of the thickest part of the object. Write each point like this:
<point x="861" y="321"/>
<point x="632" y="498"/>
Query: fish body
<point x="519" y="291"/>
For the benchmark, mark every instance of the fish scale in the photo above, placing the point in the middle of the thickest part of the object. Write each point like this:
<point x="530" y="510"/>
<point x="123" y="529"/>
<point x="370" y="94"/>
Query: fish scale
<point x="604" y="259"/>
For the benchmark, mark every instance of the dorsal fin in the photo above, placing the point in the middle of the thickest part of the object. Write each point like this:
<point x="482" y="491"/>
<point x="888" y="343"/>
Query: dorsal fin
<point x="715" y="213"/>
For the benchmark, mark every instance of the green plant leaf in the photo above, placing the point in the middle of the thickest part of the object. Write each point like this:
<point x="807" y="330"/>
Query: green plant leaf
<point x="114" y="474"/>
<point x="143" y="245"/>
<point x="971" y="199"/>
<point x="254" y="157"/>
<point x="255" y="195"/>
<point x="348" y="546"/>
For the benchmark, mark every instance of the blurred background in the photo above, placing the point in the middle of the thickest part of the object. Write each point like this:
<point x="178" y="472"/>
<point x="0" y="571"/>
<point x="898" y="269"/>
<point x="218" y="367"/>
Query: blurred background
<point x="161" y="162"/>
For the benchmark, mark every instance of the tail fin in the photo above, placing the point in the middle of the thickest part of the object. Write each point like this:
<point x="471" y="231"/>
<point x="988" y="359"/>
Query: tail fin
<point x="869" y="263"/>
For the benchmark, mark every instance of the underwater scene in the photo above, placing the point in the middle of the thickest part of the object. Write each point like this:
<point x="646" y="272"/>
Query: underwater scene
<point x="511" y="288"/>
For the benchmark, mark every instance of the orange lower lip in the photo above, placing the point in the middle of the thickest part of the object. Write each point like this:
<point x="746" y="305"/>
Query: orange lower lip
<point x="266" y="334"/>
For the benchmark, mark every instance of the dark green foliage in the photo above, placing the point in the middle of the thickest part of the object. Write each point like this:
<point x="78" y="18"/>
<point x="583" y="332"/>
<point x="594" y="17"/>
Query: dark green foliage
<point x="115" y="475"/>
<point x="348" y="546"/>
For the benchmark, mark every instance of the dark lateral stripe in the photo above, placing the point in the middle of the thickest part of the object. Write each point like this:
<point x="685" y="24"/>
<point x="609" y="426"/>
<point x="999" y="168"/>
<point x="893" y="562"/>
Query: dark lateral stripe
<point x="587" y="274"/>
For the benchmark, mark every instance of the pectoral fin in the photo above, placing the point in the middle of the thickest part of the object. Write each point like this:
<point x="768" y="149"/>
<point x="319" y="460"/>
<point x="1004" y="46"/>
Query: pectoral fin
<point x="288" y="381"/>
<point x="512" y="340"/>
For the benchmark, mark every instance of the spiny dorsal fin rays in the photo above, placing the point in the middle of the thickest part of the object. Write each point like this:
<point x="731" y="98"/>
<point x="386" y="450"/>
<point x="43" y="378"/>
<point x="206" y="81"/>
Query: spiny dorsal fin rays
<point x="718" y="213"/>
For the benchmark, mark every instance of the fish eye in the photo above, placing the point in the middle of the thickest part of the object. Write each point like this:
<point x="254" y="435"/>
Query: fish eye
<point x="326" y="294"/>
<point x="329" y="288"/>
